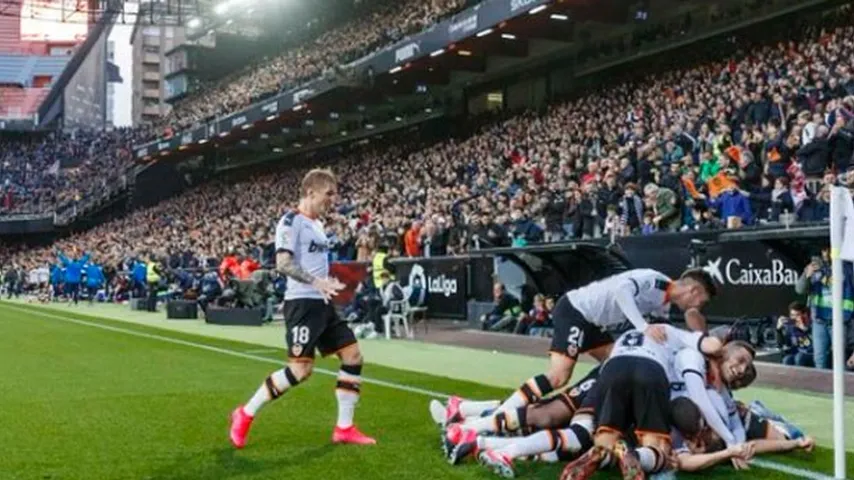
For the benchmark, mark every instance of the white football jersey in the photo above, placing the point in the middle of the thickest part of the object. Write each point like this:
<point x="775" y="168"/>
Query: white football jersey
<point x="635" y="344"/>
<point x="306" y="240"/>
<point x="718" y="408"/>
<point x="600" y="301"/>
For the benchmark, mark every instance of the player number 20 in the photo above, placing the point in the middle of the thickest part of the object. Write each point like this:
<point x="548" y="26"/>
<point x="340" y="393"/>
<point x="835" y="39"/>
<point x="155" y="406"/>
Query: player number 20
<point x="576" y="337"/>
<point x="300" y="334"/>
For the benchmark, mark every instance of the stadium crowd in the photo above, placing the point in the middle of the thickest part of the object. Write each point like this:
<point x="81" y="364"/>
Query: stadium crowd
<point x="51" y="172"/>
<point x="716" y="144"/>
<point x="719" y="144"/>
<point x="384" y="23"/>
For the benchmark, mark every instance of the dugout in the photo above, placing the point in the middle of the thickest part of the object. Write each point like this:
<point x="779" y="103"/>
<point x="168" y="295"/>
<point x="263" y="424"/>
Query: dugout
<point x="550" y="269"/>
<point x="798" y="244"/>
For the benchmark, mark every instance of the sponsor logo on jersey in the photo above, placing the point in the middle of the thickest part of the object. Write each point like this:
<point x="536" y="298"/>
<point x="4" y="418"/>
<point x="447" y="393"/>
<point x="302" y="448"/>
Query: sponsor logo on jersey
<point x="296" y="350"/>
<point x="316" y="247"/>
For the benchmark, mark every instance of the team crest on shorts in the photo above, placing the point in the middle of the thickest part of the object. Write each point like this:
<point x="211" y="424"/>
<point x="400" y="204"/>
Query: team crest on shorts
<point x="572" y="350"/>
<point x="296" y="350"/>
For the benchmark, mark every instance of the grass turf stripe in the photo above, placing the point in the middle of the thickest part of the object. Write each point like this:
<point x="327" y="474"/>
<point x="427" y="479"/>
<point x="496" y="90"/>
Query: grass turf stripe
<point x="766" y="464"/>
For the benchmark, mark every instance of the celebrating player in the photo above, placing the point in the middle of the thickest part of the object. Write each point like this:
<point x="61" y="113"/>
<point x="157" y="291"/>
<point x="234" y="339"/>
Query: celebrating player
<point x="582" y="316"/>
<point x="633" y="391"/>
<point x="734" y="370"/>
<point x="311" y="321"/>
<point x="701" y="448"/>
<point x="549" y="425"/>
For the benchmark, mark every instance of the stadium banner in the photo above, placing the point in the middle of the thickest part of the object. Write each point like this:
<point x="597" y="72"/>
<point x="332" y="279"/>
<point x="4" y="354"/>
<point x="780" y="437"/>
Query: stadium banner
<point x="465" y="24"/>
<point x="19" y="124"/>
<point x="26" y="224"/>
<point x="462" y="25"/>
<point x="753" y="279"/>
<point x="446" y="281"/>
<point x="263" y="110"/>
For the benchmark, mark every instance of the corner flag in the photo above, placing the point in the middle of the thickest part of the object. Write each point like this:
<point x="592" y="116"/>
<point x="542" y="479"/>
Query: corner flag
<point x="841" y="248"/>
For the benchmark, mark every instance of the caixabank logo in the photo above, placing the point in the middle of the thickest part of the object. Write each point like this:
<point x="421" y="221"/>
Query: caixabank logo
<point x="735" y="271"/>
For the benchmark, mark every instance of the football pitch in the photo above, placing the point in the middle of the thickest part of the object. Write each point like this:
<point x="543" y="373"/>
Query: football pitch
<point x="88" y="397"/>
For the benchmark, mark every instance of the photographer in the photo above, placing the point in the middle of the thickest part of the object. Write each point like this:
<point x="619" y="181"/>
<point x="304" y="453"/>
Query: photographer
<point x="816" y="283"/>
<point x="794" y="337"/>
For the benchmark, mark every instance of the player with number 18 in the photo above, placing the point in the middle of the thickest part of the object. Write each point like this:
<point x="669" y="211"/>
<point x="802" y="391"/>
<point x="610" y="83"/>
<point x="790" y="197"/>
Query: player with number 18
<point x="311" y="320"/>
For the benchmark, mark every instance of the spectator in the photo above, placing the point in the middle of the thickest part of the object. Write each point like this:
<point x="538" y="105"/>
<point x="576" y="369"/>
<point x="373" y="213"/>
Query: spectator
<point x="505" y="314"/>
<point x="733" y="206"/>
<point x="537" y="320"/>
<point x="794" y="336"/>
<point x="665" y="208"/>
<point x="815" y="283"/>
<point x="412" y="239"/>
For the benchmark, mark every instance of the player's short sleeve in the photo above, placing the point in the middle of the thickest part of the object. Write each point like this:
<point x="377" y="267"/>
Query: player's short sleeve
<point x="649" y="284"/>
<point x="286" y="233"/>
<point x="689" y="361"/>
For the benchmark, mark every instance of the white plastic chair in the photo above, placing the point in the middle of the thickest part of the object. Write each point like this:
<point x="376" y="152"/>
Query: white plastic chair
<point x="398" y="315"/>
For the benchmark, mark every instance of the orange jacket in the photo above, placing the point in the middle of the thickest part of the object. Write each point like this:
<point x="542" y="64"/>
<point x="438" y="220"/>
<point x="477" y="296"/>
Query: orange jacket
<point x="410" y="242"/>
<point x="229" y="265"/>
<point x="719" y="183"/>
<point x="246" y="268"/>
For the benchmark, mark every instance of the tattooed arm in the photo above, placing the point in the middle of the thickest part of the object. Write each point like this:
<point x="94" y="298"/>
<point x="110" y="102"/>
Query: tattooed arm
<point x="286" y="266"/>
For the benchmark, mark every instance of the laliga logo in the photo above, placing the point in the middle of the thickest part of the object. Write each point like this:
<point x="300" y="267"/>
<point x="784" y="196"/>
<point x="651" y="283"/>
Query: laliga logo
<point x="417" y="277"/>
<point x="440" y="285"/>
<point x="734" y="273"/>
<point x="444" y="285"/>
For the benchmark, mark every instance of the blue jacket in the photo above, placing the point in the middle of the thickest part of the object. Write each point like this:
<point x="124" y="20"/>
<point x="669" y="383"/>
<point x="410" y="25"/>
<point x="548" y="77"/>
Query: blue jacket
<point x="797" y="340"/>
<point x="55" y="274"/>
<point x="73" y="268"/>
<point x="733" y="204"/>
<point x="94" y="275"/>
<point x="138" y="272"/>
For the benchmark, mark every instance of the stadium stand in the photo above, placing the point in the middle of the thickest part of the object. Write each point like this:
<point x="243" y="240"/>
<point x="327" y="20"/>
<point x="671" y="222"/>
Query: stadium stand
<point x="726" y="140"/>
<point x="353" y="39"/>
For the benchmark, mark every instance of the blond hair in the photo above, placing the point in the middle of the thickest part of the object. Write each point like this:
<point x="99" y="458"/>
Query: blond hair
<point x="317" y="178"/>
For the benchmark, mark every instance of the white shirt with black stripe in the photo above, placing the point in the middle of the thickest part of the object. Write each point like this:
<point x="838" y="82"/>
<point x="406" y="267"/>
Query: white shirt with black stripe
<point x="627" y="296"/>
<point x="692" y="368"/>
<point x="306" y="240"/>
<point x="636" y="344"/>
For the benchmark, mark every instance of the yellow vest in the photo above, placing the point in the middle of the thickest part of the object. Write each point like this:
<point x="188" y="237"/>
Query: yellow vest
<point x="381" y="275"/>
<point x="151" y="275"/>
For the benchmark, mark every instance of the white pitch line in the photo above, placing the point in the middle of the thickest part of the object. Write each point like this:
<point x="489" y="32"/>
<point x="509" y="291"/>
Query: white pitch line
<point x="263" y="350"/>
<point x="767" y="464"/>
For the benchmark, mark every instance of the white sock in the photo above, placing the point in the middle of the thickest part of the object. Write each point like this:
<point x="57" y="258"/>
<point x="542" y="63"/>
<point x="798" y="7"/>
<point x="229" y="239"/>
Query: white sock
<point x="650" y="459"/>
<point x="494" y="443"/>
<point x="278" y="382"/>
<point x="480" y="424"/>
<point x="347" y="393"/>
<point x="548" y="457"/>
<point x="476" y="409"/>
<point x="569" y="440"/>
<point x="515" y="401"/>
<point x="540" y="442"/>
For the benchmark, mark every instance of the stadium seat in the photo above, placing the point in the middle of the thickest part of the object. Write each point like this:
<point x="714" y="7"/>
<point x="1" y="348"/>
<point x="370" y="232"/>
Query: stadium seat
<point x="399" y="313"/>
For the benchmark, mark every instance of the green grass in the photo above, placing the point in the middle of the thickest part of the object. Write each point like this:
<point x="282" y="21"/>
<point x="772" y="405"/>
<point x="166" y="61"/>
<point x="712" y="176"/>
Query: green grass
<point x="78" y="402"/>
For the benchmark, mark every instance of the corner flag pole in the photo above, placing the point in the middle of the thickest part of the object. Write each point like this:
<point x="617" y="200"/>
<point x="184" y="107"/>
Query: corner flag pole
<point x="838" y="231"/>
